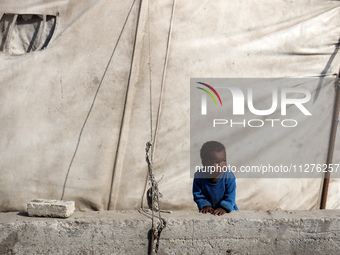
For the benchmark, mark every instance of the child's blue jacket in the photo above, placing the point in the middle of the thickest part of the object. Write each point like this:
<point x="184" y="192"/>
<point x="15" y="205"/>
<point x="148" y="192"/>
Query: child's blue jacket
<point x="221" y="193"/>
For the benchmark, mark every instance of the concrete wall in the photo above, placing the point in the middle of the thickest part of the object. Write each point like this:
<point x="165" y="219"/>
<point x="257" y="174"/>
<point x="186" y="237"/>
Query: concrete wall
<point x="187" y="232"/>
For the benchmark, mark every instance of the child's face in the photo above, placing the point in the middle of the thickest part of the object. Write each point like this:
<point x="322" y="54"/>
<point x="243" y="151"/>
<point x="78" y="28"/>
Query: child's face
<point x="217" y="158"/>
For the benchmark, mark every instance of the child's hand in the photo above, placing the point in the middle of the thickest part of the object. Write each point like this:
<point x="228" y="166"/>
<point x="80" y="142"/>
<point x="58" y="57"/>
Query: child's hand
<point x="207" y="209"/>
<point x="219" y="211"/>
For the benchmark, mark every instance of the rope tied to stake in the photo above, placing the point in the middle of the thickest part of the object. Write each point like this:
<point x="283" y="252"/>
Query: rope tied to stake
<point x="153" y="193"/>
<point x="153" y="199"/>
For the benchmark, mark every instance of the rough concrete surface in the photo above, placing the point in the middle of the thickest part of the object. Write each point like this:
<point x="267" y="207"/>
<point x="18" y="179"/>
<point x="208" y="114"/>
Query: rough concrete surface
<point x="50" y="208"/>
<point x="187" y="232"/>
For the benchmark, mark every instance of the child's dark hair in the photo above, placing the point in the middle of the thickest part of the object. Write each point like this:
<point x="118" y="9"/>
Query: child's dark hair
<point x="209" y="147"/>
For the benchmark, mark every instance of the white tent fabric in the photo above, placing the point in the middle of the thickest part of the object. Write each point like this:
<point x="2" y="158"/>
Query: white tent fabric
<point x="333" y="198"/>
<point x="47" y="95"/>
<point x="64" y="116"/>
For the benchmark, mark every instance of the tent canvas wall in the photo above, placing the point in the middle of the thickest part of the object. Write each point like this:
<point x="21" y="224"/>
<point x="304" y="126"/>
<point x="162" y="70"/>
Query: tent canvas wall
<point x="71" y="112"/>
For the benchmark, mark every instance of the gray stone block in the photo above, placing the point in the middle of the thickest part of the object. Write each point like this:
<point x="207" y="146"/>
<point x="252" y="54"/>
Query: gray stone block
<point x="50" y="208"/>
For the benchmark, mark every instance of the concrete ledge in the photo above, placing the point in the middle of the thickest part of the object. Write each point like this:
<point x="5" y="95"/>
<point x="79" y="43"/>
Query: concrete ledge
<point x="125" y="232"/>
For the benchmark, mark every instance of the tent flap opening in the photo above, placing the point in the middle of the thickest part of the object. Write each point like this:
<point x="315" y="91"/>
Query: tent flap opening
<point x="25" y="33"/>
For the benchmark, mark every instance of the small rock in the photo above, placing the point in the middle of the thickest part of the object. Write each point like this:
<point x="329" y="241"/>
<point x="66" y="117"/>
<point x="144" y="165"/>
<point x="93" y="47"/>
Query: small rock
<point x="50" y="208"/>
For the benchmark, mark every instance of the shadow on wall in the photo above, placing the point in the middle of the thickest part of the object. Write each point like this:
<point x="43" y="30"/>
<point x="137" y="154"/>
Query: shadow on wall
<point x="325" y="70"/>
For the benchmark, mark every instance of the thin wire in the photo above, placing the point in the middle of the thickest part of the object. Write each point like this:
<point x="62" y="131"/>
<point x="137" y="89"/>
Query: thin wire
<point x="124" y="108"/>
<point x="151" y="135"/>
<point x="93" y="101"/>
<point x="161" y="92"/>
<point x="150" y="73"/>
<point x="149" y="149"/>
<point x="164" y="71"/>
<point x="147" y="214"/>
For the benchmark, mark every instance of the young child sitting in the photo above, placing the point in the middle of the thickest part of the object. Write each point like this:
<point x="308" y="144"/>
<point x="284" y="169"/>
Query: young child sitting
<point x="214" y="191"/>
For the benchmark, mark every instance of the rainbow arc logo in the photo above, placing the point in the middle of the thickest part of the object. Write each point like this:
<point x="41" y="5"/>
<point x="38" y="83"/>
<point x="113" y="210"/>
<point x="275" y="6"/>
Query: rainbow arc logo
<point x="209" y="93"/>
